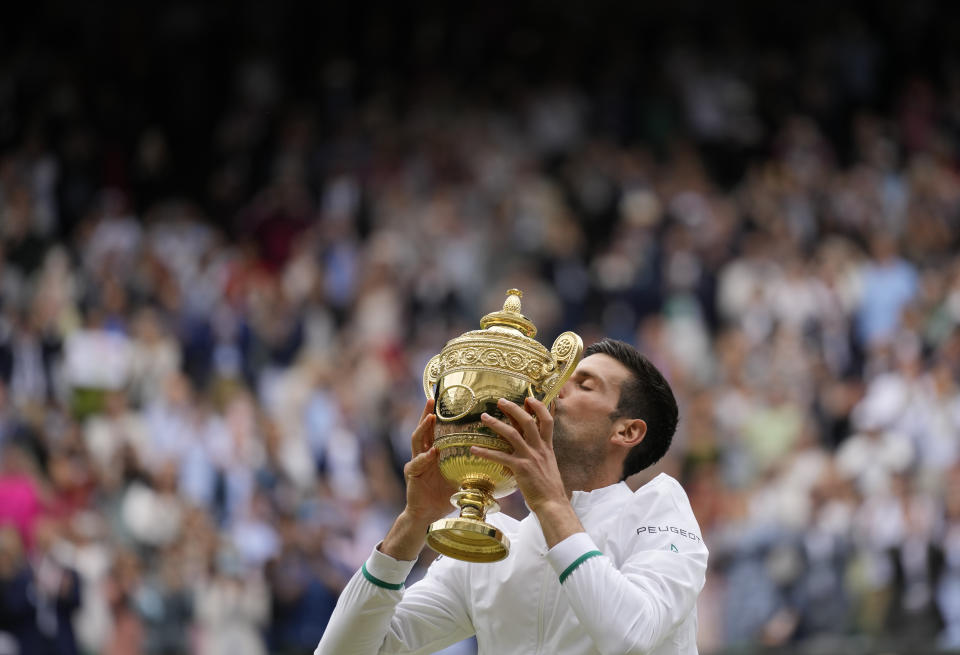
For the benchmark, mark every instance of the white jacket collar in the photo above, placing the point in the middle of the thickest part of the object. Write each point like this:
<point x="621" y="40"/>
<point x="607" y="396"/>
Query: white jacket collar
<point x="582" y="501"/>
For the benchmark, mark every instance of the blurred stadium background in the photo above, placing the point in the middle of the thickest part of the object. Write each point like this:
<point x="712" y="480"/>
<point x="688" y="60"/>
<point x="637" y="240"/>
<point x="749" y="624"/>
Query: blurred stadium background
<point x="231" y="234"/>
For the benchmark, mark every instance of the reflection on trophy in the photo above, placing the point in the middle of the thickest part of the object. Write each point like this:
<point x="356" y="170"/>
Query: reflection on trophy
<point x="467" y="378"/>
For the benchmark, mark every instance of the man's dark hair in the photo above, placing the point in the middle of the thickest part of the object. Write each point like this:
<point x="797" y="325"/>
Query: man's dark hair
<point x="645" y="395"/>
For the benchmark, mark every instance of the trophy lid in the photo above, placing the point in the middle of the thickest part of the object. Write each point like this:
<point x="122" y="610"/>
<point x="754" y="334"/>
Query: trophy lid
<point x="510" y="316"/>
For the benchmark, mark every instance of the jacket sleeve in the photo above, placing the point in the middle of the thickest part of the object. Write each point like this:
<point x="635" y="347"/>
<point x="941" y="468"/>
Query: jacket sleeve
<point x="629" y="610"/>
<point x="376" y="614"/>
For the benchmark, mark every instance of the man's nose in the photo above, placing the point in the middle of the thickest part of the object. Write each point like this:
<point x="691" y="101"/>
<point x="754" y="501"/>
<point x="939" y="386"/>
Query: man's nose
<point x="563" y="390"/>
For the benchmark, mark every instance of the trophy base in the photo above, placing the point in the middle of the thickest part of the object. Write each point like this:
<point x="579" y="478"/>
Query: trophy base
<point x="469" y="540"/>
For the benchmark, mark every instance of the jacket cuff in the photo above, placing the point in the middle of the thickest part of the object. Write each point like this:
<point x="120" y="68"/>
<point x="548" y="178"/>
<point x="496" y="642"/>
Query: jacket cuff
<point x="570" y="553"/>
<point x="384" y="571"/>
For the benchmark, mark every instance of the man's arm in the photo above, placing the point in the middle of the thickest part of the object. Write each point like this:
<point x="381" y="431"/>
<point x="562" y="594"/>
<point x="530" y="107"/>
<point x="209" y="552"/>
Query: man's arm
<point x="634" y="608"/>
<point x="627" y="610"/>
<point x="374" y="613"/>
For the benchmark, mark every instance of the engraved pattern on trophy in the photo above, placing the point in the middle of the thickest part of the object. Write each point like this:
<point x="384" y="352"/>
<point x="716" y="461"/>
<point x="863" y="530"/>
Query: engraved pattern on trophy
<point x="455" y="401"/>
<point x="473" y="371"/>
<point x="431" y="374"/>
<point x="477" y="351"/>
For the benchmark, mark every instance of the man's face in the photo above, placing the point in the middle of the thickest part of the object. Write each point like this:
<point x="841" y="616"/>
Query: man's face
<point x="582" y="425"/>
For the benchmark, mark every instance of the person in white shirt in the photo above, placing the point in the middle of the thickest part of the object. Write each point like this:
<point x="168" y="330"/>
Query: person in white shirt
<point x="594" y="568"/>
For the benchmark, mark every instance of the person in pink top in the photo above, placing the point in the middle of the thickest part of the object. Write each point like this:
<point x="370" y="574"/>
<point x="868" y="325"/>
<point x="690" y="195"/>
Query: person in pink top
<point x="21" y="500"/>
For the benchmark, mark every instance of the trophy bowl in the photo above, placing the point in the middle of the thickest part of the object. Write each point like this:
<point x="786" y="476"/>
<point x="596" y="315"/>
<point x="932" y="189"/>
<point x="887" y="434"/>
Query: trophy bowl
<point x="467" y="378"/>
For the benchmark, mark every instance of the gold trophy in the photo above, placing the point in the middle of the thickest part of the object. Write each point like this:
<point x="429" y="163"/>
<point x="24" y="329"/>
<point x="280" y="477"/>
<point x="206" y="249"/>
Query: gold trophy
<point x="467" y="378"/>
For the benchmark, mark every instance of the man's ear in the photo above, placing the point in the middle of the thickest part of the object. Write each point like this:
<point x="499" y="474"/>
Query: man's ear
<point x="629" y="431"/>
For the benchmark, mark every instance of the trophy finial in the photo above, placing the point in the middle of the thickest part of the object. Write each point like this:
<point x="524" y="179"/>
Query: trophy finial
<point x="510" y="316"/>
<point x="512" y="303"/>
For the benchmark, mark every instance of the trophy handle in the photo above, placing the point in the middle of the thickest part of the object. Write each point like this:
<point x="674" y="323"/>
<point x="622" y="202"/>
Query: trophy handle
<point x="431" y="375"/>
<point x="566" y="353"/>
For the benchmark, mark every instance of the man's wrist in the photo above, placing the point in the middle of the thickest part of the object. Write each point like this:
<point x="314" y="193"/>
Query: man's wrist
<point x="406" y="537"/>
<point x="557" y="520"/>
<point x="553" y="507"/>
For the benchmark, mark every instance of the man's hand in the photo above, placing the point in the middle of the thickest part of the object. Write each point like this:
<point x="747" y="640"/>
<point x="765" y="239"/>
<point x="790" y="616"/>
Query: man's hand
<point x="428" y="493"/>
<point x="534" y="465"/>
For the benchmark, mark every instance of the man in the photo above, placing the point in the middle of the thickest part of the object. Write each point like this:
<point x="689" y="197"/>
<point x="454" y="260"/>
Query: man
<point x="594" y="568"/>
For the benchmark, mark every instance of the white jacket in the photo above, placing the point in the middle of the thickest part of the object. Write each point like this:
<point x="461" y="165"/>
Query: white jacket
<point x="629" y="584"/>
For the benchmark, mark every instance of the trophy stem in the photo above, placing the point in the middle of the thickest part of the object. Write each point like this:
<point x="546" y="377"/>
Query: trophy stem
<point x="475" y="502"/>
<point x="470" y="538"/>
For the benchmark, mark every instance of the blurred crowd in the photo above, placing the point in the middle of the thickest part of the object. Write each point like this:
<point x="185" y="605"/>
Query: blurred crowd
<point x="207" y="387"/>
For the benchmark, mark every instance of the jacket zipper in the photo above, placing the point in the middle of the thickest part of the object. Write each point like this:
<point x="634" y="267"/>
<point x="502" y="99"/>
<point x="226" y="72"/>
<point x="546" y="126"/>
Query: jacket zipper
<point x="544" y="580"/>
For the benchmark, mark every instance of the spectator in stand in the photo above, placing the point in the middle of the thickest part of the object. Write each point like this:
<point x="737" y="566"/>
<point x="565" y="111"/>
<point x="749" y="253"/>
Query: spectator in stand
<point x="889" y="284"/>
